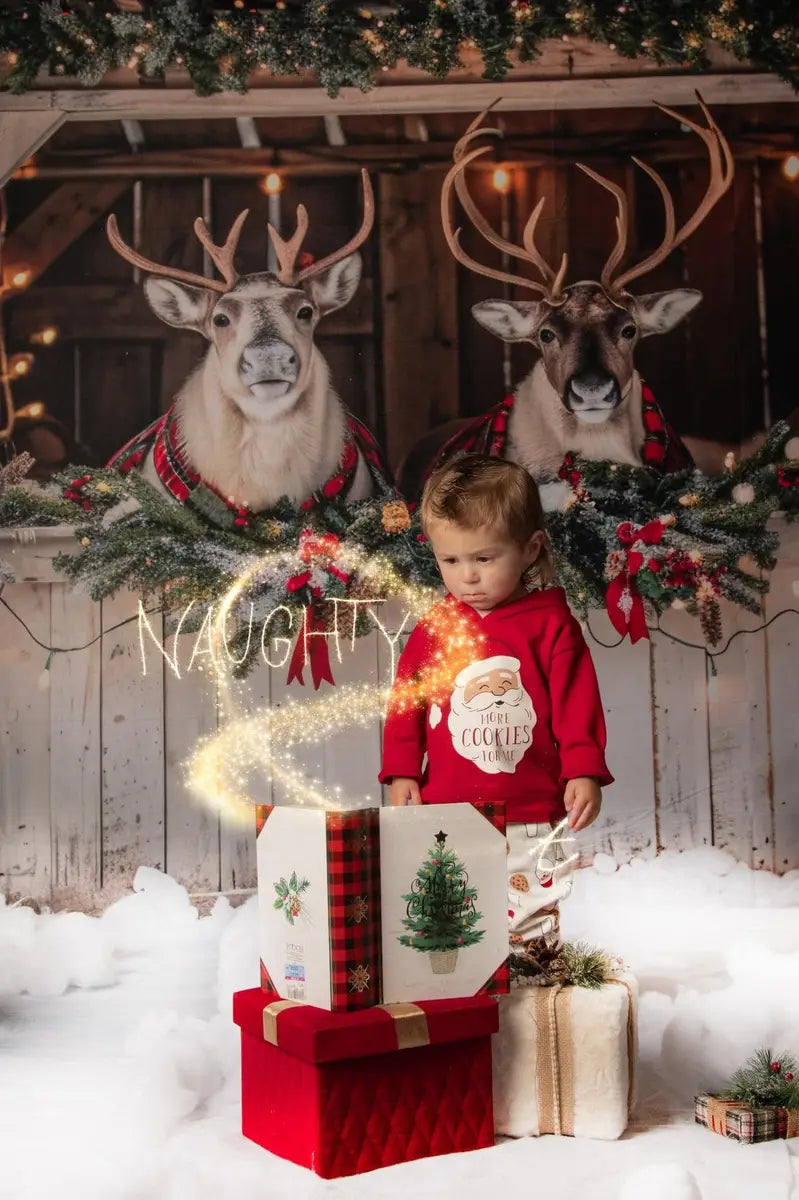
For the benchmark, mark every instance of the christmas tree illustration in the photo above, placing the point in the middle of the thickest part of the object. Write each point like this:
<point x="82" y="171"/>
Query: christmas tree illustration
<point x="440" y="915"/>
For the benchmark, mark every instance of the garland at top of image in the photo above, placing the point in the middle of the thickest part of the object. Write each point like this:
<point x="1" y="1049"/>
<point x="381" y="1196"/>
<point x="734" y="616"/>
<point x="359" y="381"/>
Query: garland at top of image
<point x="644" y="540"/>
<point x="347" y="44"/>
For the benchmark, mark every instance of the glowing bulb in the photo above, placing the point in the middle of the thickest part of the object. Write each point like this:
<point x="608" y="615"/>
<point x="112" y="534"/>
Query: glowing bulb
<point x="31" y="410"/>
<point x="501" y="179"/>
<point x="45" y="337"/>
<point x="21" y="278"/>
<point x="272" y="184"/>
<point x="20" y="364"/>
<point x="790" y="167"/>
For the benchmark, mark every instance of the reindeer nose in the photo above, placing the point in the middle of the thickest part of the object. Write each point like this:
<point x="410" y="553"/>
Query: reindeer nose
<point x="267" y="362"/>
<point x="592" y="390"/>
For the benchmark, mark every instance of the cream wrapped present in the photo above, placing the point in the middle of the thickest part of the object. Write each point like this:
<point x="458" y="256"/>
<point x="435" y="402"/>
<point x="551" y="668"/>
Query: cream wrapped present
<point x="564" y="1060"/>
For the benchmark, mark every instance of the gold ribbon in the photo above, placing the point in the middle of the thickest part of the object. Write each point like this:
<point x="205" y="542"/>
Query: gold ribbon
<point x="410" y="1024"/>
<point x="271" y="1014"/>
<point x="555" y="1073"/>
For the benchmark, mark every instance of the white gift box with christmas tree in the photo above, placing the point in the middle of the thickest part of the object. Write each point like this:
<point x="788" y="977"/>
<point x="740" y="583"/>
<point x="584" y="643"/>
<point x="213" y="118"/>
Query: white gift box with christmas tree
<point x="564" y="1059"/>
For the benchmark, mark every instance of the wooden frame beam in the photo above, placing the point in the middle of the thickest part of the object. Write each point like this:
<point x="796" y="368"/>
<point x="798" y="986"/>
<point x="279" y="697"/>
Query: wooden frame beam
<point x="632" y="91"/>
<point x="23" y="131"/>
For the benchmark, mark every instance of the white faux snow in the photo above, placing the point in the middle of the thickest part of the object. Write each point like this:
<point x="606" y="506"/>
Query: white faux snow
<point x="119" y="1058"/>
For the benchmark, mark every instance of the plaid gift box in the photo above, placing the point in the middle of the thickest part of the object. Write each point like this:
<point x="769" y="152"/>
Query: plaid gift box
<point x="744" y="1123"/>
<point x="333" y="891"/>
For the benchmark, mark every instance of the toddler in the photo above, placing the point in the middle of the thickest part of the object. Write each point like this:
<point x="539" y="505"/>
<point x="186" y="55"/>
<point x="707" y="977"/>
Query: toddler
<point x="496" y="696"/>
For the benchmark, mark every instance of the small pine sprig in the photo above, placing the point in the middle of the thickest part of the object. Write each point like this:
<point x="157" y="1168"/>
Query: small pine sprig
<point x="583" y="965"/>
<point x="765" y="1080"/>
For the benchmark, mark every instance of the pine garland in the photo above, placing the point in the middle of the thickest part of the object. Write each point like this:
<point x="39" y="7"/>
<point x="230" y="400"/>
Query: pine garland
<point x="346" y="44"/>
<point x="766" y="1080"/>
<point x="132" y="535"/>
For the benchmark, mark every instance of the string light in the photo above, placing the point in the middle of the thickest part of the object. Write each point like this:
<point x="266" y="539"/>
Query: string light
<point x="19" y="365"/>
<point x="32" y="411"/>
<point x="45" y="337"/>
<point x="272" y="185"/>
<point x="790" y="167"/>
<point x="21" y="277"/>
<point x="501" y="179"/>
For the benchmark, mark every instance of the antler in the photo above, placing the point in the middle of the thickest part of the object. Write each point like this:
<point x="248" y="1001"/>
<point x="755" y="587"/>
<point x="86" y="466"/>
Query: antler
<point x="722" y="169"/>
<point x="527" y="252"/>
<point x="288" y="251"/>
<point x="222" y="256"/>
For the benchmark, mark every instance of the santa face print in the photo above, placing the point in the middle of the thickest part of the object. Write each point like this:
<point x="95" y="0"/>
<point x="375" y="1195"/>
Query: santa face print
<point x="481" y="567"/>
<point x="491" y="715"/>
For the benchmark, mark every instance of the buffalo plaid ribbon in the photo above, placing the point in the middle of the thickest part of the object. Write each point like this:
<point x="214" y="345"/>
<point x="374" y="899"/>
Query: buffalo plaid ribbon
<point x="488" y="434"/>
<point x="743" y="1123"/>
<point x="353" y="886"/>
<point x="174" y="472"/>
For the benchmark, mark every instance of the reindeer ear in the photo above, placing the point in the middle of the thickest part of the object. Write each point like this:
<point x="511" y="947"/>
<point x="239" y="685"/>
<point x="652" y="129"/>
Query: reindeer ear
<point x="661" y="311"/>
<point x="335" y="286"/>
<point x="511" y="320"/>
<point x="179" y="304"/>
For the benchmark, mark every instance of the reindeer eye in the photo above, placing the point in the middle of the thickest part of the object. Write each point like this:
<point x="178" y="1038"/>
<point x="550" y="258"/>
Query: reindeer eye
<point x="546" y="335"/>
<point x="221" y="320"/>
<point x="304" y="313"/>
<point x="629" y="332"/>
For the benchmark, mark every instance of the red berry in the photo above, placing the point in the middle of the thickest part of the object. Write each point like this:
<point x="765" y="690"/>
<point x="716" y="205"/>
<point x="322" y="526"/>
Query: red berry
<point x="87" y="504"/>
<point x="789" y="1076"/>
<point x="775" y="1067"/>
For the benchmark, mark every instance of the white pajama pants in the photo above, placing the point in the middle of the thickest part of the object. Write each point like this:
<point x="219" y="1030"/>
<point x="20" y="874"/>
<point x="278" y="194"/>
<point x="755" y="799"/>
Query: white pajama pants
<point x="541" y="865"/>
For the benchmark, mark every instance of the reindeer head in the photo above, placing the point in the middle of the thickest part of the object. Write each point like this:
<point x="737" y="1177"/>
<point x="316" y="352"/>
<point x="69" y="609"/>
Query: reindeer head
<point x="260" y="326"/>
<point x="586" y="332"/>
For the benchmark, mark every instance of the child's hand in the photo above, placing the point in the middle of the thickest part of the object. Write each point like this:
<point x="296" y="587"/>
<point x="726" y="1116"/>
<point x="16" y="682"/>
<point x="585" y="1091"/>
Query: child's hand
<point x="404" y="791"/>
<point x="583" y="800"/>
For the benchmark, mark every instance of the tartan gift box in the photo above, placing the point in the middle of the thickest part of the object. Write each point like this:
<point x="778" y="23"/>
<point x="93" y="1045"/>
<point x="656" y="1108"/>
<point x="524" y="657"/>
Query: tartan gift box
<point x="564" y="1060"/>
<point x="744" y="1123"/>
<point x="382" y="904"/>
<point x="343" y="1093"/>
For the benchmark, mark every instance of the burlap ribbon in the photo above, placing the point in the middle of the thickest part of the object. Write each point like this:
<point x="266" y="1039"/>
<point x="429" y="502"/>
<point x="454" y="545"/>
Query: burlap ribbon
<point x="555" y="1074"/>
<point x="717" y="1110"/>
<point x="410" y="1022"/>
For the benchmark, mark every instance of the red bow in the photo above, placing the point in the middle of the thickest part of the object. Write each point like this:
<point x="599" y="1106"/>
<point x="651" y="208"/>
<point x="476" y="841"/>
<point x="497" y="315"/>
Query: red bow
<point x="311" y="649"/>
<point x="622" y="598"/>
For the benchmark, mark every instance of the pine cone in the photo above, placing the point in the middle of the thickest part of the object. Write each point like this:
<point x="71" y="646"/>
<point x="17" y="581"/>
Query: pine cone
<point x="710" y="620"/>
<point x="13" y="473"/>
<point x="395" y="516"/>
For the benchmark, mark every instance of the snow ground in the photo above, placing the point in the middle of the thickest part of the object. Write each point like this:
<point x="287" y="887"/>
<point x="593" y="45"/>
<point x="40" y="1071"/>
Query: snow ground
<point x="119" y="1059"/>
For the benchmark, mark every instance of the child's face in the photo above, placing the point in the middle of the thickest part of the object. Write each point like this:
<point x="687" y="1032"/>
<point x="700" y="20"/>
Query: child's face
<point x="481" y="567"/>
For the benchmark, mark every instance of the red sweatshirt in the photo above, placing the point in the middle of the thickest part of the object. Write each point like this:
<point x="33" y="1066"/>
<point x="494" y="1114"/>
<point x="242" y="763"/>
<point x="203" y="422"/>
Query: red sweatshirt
<point x="505" y="706"/>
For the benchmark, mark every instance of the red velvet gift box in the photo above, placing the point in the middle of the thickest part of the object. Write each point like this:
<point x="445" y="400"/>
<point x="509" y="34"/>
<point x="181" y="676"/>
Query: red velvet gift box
<point x="343" y="1093"/>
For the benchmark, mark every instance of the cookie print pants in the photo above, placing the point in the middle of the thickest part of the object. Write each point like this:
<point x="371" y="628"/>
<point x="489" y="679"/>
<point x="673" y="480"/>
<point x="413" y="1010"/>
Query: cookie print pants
<point x="541" y="866"/>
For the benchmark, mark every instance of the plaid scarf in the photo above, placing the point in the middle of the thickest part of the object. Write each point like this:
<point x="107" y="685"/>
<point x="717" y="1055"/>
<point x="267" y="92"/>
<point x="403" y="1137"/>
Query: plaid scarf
<point x="488" y="434"/>
<point x="186" y="485"/>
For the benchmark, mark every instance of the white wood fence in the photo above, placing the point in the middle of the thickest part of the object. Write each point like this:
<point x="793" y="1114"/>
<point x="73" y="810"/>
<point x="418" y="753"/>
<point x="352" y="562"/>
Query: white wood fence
<point x="91" y="779"/>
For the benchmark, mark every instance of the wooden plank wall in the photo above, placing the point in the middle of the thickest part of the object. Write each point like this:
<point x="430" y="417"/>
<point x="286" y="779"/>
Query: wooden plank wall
<point x="91" y="768"/>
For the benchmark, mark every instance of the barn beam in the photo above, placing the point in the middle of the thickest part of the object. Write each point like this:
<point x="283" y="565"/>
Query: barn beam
<point x="22" y="132"/>
<point x="520" y="92"/>
<point x="52" y="227"/>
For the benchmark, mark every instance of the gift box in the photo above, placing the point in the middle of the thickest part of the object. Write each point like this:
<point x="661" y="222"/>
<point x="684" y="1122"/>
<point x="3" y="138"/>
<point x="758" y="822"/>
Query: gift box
<point x="564" y="1060"/>
<point x="343" y="1093"/>
<point x="744" y="1123"/>
<point x="391" y="904"/>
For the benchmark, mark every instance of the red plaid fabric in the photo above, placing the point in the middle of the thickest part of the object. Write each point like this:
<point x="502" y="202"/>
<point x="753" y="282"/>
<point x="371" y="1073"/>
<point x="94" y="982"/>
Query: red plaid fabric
<point x="353" y="881"/>
<point x="488" y="434"/>
<point x="745" y="1124"/>
<point x="163" y="438"/>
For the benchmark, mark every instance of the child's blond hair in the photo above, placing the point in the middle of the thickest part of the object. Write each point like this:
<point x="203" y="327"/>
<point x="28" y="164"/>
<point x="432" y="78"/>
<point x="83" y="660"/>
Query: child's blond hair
<point x="475" y="491"/>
